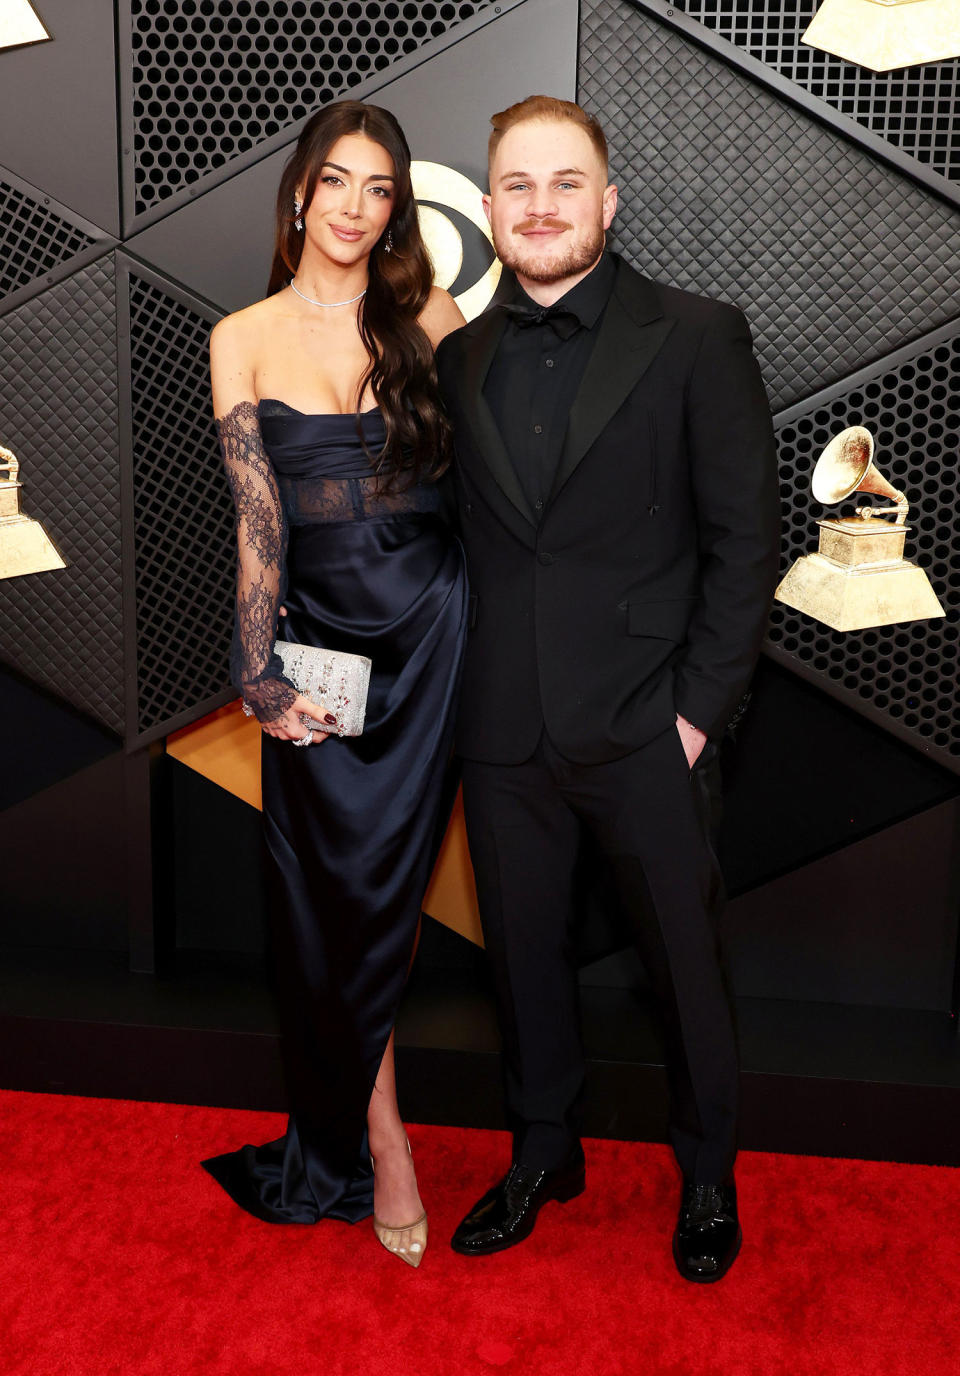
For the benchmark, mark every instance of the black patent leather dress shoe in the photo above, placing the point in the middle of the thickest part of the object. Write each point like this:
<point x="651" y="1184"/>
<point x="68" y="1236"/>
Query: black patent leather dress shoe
<point x="506" y="1214"/>
<point x="708" y="1236"/>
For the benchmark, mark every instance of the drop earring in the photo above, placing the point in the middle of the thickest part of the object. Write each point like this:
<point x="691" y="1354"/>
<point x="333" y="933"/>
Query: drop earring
<point x="297" y="207"/>
<point x="388" y="242"/>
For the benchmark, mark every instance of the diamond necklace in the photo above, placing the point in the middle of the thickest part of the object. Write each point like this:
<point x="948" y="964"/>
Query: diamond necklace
<point x="328" y="305"/>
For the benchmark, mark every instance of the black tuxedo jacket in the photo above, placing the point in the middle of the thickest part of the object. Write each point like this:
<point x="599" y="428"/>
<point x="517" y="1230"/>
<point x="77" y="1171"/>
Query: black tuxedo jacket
<point x="644" y="589"/>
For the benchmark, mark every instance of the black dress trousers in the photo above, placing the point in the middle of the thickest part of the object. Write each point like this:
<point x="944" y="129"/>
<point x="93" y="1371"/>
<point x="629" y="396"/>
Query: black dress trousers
<point x="651" y="817"/>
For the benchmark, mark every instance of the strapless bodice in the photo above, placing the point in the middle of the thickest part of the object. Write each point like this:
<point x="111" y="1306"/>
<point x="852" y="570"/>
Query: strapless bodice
<point x="326" y="472"/>
<point x="319" y="446"/>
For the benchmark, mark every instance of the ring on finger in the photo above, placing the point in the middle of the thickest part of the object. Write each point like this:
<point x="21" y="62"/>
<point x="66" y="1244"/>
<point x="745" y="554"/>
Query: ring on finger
<point x="305" y="740"/>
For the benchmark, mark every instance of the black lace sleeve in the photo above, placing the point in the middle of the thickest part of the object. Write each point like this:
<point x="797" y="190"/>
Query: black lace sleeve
<point x="261" y="564"/>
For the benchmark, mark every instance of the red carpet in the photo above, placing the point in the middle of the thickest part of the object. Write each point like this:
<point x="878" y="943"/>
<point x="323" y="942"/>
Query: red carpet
<point x="120" y="1255"/>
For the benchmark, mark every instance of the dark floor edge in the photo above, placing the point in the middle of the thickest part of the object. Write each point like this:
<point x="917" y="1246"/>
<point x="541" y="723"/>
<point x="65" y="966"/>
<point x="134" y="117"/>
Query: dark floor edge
<point x="628" y="1102"/>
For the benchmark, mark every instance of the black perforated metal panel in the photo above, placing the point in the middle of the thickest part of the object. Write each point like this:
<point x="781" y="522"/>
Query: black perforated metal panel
<point x="727" y="190"/>
<point x="33" y="238"/>
<point x="214" y="78"/>
<point x="183" y="515"/>
<point x="907" y="674"/>
<point x="917" y="109"/>
<point x="58" y="413"/>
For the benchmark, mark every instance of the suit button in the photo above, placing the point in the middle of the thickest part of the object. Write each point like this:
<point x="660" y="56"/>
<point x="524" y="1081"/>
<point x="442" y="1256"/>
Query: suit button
<point x="544" y="558"/>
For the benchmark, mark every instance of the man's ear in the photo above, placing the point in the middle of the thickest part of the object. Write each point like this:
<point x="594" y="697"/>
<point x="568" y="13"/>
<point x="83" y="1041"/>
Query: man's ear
<point x="609" y="205"/>
<point x="486" y="206"/>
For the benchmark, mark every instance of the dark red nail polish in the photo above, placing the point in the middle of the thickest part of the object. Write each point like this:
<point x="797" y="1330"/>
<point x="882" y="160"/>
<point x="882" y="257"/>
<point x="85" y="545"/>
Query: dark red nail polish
<point x="331" y="719"/>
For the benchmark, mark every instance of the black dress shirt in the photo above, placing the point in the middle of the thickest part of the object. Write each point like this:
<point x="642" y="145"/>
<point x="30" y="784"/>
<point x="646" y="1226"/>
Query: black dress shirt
<point x="535" y="376"/>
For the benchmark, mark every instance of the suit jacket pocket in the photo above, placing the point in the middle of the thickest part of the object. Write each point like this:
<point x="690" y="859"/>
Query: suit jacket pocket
<point x="665" y="620"/>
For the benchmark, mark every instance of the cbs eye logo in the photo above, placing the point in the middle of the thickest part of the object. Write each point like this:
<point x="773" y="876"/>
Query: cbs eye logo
<point x="455" y="254"/>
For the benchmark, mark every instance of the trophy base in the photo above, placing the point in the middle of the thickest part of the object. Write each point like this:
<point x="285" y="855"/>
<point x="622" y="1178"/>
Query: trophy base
<point x="855" y="599"/>
<point x="25" y="547"/>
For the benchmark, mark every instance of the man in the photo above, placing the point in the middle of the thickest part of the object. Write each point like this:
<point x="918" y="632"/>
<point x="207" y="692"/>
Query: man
<point x="617" y="489"/>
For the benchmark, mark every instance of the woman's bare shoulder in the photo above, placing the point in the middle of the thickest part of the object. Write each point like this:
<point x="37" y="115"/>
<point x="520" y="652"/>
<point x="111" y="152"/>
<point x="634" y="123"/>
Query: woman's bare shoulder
<point x="245" y="324"/>
<point x="236" y="344"/>
<point x="440" y="315"/>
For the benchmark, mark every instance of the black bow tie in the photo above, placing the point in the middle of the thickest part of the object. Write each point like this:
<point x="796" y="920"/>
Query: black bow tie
<point x="563" y="322"/>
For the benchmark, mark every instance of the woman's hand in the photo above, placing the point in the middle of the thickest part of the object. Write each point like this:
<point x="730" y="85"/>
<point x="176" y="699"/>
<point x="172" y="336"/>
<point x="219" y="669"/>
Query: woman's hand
<point x="289" y="727"/>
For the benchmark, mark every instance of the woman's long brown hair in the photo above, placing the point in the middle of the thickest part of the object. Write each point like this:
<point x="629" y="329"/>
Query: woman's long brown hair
<point x="402" y="374"/>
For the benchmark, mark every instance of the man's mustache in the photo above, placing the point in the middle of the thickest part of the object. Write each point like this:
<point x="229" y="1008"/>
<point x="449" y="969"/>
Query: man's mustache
<point x="540" y="224"/>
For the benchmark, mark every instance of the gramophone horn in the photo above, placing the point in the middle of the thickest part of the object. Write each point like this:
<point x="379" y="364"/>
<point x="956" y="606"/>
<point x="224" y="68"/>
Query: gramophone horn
<point x="846" y="465"/>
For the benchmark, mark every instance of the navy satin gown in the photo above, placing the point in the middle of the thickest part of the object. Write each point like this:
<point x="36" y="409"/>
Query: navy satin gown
<point x="352" y="825"/>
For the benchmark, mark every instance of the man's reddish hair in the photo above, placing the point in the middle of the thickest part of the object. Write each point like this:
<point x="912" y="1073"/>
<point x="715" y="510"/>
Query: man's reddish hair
<point x="545" y="108"/>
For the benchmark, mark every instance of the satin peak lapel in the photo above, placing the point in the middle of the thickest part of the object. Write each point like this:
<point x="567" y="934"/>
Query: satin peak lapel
<point x="485" y="434"/>
<point x="631" y="335"/>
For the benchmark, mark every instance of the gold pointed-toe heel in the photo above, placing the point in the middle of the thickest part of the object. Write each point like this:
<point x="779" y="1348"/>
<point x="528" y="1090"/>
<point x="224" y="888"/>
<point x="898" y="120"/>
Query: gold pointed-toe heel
<point x="408" y="1243"/>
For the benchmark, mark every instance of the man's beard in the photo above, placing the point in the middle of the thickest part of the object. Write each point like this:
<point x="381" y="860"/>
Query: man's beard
<point x="522" y="258"/>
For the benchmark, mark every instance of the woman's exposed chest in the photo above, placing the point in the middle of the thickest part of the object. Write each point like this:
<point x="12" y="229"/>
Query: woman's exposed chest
<point x="314" y="367"/>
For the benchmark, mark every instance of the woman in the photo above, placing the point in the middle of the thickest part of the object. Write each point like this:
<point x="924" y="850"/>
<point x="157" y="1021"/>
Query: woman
<point x="333" y="439"/>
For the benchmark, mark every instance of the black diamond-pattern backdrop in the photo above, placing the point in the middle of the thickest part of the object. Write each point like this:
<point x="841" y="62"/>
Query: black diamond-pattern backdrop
<point x="728" y="191"/>
<point x="58" y="413"/>
<point x="33" y="239"/>
<point x="917" y="108"/>
<point x="906" y="673"/>
<point x="183" y="519"/>
<point x="213" y="78"/>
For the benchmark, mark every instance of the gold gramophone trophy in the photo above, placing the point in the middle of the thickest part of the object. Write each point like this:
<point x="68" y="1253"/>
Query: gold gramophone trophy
<point x="858" y="577"/>
<point x="25" y="546"/>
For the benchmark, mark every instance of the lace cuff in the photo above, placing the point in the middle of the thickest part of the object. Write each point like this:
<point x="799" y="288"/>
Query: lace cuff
<point x="268" y="699"/>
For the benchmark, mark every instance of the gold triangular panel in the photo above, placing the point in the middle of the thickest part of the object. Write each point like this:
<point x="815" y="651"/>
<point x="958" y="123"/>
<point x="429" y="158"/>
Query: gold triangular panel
<point x="225" y="748"/>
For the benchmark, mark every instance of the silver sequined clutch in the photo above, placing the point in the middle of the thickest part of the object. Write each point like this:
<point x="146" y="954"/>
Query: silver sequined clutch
<point x="330" y="678"/>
